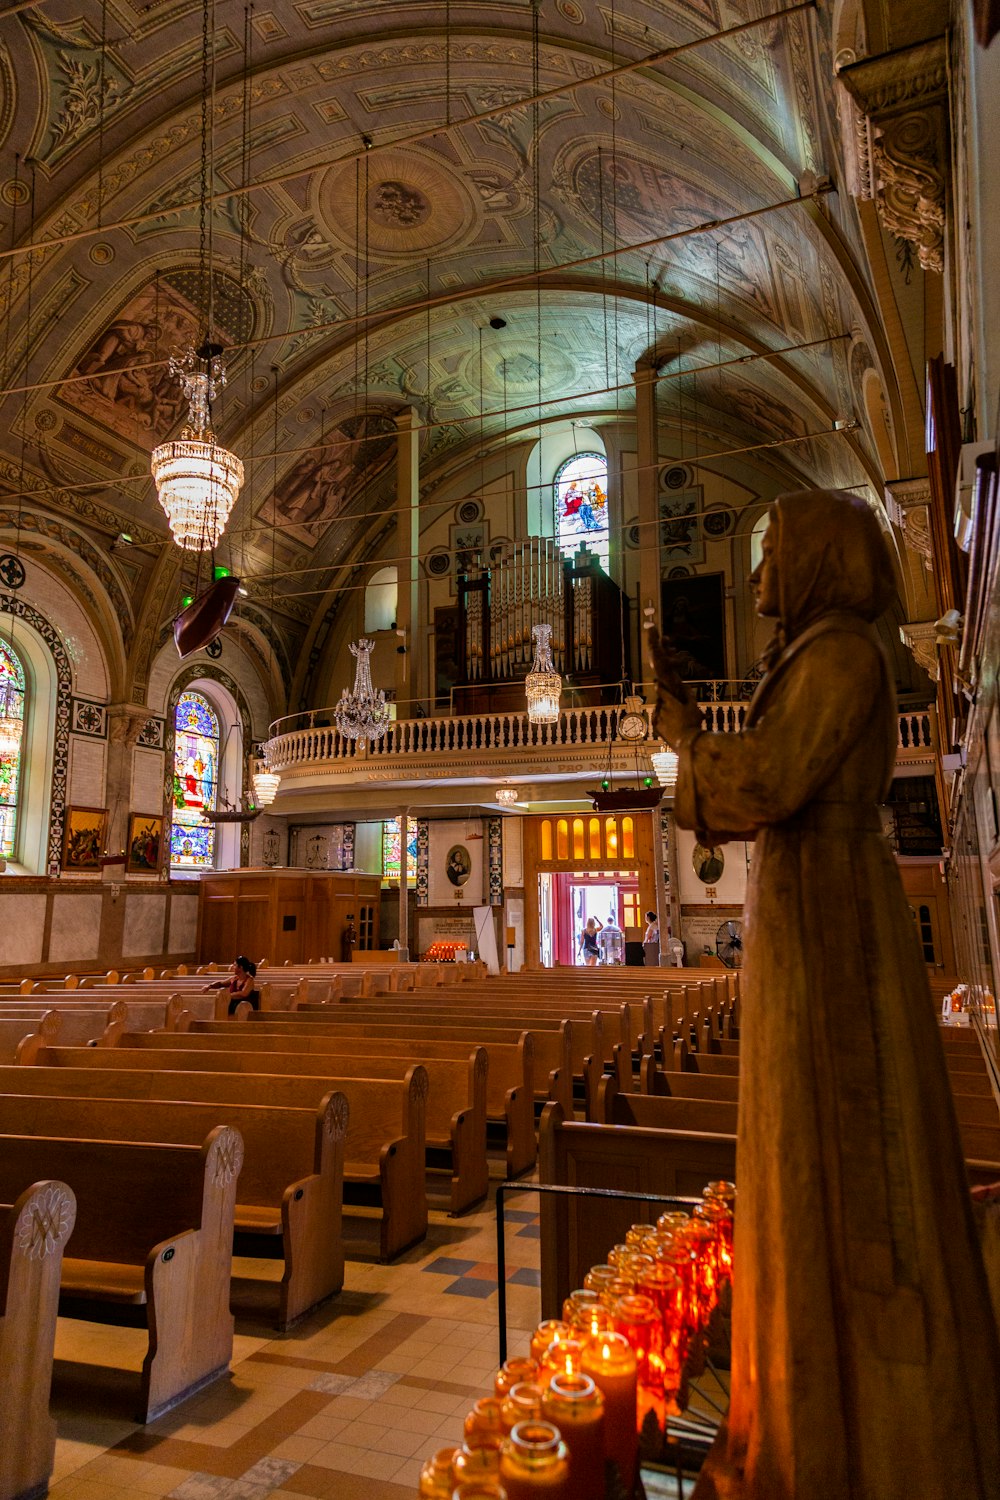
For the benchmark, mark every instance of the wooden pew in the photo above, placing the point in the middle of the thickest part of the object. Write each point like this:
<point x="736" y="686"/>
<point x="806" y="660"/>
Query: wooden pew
<point x="550" y="1047"/>
<point x="655" y="1080"/>
<point x="456" y="1097"/>
<point x="509" y="1091"/>
<point x="664" y="1111"/>
<point x="291" y="1186"/>
<point x="33" y="1233"/>
<point x="154" y="1229"/>
<point x="382" y="1143"/>
<point x="576" y="1234"/>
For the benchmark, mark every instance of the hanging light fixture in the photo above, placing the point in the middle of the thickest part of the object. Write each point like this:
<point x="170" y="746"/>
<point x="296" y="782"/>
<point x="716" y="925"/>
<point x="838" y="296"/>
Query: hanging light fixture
<point x="11" y="720"/>
<point x="543" y="685"/>
<point x="632" y="726"/>
<point x="197" y="480"/>
<point x="265" y="784"/>
<point x="506" y="796"/>
<point x="362" y="714"/>
<point x="665" y="764"/>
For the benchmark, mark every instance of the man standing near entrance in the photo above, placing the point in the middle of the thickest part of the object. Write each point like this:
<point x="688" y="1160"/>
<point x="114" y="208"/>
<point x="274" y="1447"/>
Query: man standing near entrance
<point x="348" y="941"/>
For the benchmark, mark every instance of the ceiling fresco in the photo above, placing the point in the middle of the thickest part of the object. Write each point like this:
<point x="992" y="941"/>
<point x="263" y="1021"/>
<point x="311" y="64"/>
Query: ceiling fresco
<point x="374" y="184"/>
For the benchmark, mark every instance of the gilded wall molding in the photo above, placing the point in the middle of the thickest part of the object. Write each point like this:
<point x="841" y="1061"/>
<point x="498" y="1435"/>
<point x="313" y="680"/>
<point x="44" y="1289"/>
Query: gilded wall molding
<point x="908" y="505"/>
<point x="897" y="128"/>
<point x="919" y="638"/>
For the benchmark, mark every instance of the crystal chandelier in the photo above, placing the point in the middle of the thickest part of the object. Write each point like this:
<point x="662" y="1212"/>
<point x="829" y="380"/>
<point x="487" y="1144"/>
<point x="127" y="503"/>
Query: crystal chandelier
<point x="362" y="714"/>
<point x="543" y="685"/>
<point x="665" y="764"/>
<point x="632" y="726"/>
<point x="265" y="784"/>
<point x="197" y="481"/>
<point x="506" y="795"/>
<point x="11" y="722"/>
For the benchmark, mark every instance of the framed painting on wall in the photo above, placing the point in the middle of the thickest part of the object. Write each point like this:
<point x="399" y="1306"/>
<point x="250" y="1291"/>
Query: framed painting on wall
<point x="83" y="838"/>
<point x="694" y="621"/>
<point x="145" y="844"/>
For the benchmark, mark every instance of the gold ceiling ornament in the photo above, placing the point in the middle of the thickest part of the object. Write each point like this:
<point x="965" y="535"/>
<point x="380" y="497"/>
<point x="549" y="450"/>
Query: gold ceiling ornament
<point x="543" y="685"/>
<point x="197" y="480"/>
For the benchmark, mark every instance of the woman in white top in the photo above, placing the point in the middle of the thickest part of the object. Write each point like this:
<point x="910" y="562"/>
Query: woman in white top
<point x="651" y="941"/>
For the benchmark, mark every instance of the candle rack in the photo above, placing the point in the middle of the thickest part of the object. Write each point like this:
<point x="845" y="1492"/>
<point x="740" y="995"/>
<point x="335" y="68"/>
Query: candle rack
<point x="671" y="1446"/>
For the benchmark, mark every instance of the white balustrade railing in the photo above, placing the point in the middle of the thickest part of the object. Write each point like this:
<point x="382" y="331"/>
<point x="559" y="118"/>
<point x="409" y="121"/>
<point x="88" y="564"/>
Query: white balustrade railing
<point x="462" y="734"/>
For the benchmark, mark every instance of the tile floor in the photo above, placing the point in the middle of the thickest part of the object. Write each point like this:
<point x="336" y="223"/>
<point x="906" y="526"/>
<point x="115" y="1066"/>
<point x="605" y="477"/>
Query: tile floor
<point x="347" y="1405"/>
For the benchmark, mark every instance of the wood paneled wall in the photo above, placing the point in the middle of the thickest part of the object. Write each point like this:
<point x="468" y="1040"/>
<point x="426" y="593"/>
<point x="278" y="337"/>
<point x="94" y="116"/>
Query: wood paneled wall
<point x="292" y="915"/>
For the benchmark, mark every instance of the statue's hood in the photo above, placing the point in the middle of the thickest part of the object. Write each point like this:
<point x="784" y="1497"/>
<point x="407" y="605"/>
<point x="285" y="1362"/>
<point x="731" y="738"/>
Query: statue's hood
<point x="832" y="557"/>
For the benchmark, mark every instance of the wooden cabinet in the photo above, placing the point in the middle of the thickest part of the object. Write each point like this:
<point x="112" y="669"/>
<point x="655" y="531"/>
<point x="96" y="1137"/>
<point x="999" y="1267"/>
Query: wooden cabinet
<point x="284" y="915"/>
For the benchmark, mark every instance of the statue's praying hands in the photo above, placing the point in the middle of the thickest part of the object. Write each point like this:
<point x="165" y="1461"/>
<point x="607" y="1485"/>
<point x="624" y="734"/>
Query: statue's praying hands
<point x="677" y="717"/>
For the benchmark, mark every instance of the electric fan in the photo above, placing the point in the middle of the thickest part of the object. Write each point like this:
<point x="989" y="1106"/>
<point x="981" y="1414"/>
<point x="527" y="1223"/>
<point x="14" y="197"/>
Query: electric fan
<point x="729" y="944"/>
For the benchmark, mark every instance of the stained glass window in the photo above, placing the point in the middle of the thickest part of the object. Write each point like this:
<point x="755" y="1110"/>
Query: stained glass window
<point x="580" y="491"/>
<point x="391" y="839"/>
<point x="196" y="766"/>
<point x="12" y="680"/>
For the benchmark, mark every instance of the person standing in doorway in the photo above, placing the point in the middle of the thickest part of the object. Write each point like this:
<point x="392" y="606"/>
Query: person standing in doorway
<point x="651" y="941"/>
<point x="588" y="942"/>
<point x="348" y="941"/>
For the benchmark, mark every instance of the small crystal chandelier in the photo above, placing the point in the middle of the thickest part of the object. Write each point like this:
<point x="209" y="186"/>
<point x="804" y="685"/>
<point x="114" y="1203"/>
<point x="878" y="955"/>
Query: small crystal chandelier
<point x="665" y="764"/>
<point x="543" y="685"/>
<point x="362" y="714"/>
<point x="506" y="795"/>
<point x="11" y="721"/>
<point x="197" y="481"/>
<point x="265" y="784"/>
<point x="632" y="726"/>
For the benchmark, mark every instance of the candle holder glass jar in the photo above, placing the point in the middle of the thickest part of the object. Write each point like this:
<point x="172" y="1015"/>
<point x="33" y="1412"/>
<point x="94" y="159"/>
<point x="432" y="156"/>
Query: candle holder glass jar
<point x="577" y="1301"/>
<point x="473" y="1465"/>
<point x="610" y="1363"/>
<point x="545" y="1334"/>
<point x="636" y="1319"/>
<point x="521" y="1403"/>
<point x="534" y="1462"/>
<point x="575" y="1406"/>
<point x="512" y="1373"/>
<point x="435" y="1477"/>
<point x="564" y="1356"/>
<point x="483" y="1427"/>
<point x="598" y="1277"/>
<point x="672" y="1221"/>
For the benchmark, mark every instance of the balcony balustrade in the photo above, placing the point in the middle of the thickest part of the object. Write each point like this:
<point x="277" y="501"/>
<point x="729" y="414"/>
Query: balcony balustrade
<point x="443" y="746"/>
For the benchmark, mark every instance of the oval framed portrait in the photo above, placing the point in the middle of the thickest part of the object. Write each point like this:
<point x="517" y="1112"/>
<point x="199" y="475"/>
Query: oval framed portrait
<point x="708" y="864"/>
<point x="458" y="866"/>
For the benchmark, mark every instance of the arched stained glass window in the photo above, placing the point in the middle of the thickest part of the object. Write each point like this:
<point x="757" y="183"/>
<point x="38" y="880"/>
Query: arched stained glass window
<point x="196" y="778"/>
<point x="581" y="506"/>
<point x="12" y="701"/>
<point x="391" y="850"/>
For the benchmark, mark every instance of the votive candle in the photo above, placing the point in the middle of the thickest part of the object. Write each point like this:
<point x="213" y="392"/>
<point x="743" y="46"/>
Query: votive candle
<point x="575" y="1406"/>
<point x="521" y="1403"/>
<point x="435" y="1481"/>
<point x="534" y="1462"/>
<point x="610" y="1363"/>
<point x="483" y="1427"/>
<point x="545" y="1334"/>
<point x="512" y="1373"/>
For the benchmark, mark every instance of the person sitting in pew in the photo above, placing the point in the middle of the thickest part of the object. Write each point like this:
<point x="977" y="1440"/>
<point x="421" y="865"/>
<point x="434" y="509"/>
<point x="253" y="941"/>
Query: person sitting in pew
<point x="242" y="984"/>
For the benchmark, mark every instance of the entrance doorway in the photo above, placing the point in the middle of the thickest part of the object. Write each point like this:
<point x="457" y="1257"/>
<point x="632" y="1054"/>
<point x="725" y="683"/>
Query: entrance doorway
<point x="567" y="898"/>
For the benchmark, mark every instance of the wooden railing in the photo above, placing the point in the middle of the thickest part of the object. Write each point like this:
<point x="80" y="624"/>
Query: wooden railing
<point x="582" y="728"/>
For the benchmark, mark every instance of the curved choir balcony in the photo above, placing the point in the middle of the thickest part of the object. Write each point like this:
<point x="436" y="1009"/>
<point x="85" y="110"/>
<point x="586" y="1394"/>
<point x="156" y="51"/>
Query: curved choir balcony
<point x="477" y="749"/>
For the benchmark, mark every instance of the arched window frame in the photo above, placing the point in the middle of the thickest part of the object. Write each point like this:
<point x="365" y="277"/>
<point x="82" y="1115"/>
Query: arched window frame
<point x="581" y="482"/>
<point x="194" y="784"/>
<point x="12" y="671"/>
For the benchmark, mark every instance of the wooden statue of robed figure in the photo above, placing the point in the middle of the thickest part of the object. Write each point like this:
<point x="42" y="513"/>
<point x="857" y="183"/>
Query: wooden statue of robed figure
<point x="865" y="1354"/>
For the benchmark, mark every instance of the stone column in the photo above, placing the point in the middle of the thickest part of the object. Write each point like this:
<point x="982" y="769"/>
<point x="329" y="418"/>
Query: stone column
<point x="409" y="660"/>
<point x="404" y="893"/>
<point x="668" y="908"/>
<point x="647" y="461"/>
<point x="125" y="721"/>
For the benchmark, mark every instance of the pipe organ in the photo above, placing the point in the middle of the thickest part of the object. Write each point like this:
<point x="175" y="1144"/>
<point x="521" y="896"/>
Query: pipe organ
<point x="535" y="584"/>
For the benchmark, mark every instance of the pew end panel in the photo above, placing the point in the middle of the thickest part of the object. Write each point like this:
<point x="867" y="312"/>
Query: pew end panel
<point x="575" y="1234"/>
<point x="32" y="1237"/>
<point x="312" y="1220"/>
